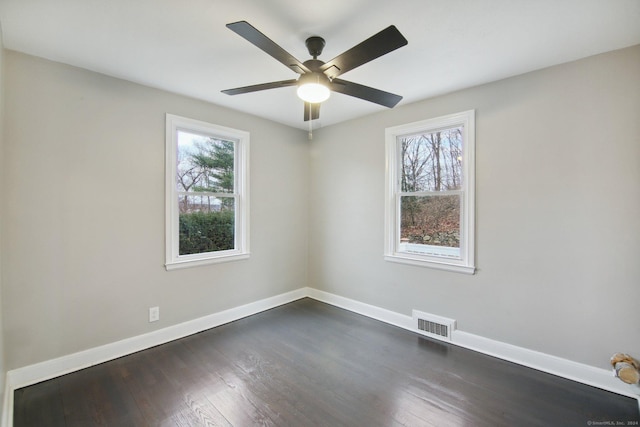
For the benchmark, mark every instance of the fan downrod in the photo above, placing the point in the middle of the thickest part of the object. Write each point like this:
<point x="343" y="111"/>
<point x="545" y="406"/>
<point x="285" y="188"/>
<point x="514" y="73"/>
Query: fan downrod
<point x="315" y="45"/>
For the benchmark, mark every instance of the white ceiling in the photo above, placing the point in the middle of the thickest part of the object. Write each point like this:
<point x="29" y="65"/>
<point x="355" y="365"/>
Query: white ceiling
<point x="184" y="47"/>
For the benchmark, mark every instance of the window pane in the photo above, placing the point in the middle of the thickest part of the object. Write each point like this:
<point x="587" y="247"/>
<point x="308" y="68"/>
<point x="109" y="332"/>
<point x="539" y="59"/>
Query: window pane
<point x="204" y="163"/>
<point x="430" y="225"/>
<point x="432" y="161"/>
<point x="206" y="224"/>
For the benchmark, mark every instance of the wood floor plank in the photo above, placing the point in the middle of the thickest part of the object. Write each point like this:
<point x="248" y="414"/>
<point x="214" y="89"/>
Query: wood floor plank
<point x="325" y="377"/>
<point x="312" y="364"/>
<point x="264" y="380"/>
<point x="39" y="405"/>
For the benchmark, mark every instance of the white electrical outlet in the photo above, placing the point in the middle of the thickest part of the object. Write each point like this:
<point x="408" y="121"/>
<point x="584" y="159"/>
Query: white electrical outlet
<point x="154" y="314"/>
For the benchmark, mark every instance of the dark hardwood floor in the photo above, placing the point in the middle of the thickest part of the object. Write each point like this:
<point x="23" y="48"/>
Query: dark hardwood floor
<point x="311" y="364"/>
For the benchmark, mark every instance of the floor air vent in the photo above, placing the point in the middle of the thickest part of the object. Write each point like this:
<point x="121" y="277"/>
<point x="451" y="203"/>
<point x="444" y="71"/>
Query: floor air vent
<point x="434" y="326"/>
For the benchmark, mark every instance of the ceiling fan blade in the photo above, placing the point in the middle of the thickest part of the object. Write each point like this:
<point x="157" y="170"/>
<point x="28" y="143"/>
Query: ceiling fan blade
<point x="252" y="35"/>
<point x="374" y="47"/>
<point x="312" y="110"/>
<point x="262" y="86"/>
<point x="367" y="93"/>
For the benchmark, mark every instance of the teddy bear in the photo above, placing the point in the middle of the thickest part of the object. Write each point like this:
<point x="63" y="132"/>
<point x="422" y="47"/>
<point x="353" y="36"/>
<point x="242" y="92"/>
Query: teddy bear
<point x="626" y="368"/>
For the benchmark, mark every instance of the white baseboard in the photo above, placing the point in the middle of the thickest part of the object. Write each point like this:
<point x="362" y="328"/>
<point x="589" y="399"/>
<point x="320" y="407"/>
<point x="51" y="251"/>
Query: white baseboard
<point x="371" y="311"/>
<point x="42" y="371"/>
<point x="585" y="374"/>
<point x="38" y="372"/>
<point x="579" y="372"/>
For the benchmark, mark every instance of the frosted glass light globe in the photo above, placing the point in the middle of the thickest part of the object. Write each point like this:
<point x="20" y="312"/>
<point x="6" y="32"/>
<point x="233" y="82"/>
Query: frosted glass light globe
<point x="313" y="92"/>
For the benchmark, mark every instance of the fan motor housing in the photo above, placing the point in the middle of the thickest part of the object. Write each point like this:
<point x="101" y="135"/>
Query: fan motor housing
<point x="313" y="77"/>
<point x="313" y="64"/>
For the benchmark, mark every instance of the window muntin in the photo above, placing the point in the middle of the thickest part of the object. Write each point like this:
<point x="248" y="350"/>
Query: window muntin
<point x="207" y="193"/>
<point x="430" y="193"/>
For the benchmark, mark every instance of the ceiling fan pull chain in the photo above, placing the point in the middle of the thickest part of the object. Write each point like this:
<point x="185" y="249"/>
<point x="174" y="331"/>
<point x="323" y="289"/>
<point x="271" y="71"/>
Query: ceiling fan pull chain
<point x="310" y="126"/>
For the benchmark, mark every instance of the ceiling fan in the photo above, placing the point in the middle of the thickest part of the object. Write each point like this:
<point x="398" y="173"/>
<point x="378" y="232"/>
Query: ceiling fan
<point x="317" y="78"/>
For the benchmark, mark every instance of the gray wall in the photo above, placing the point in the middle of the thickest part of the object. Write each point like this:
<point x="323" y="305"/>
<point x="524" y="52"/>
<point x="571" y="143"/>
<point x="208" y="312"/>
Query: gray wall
<point x="558" y="202"/>
<point x="83" y="213"/>
<point x="558" y="208"/>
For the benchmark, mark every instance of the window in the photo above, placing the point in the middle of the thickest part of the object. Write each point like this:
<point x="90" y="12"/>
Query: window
<point x="430" y="208"/>
<point x="207" y="191"/>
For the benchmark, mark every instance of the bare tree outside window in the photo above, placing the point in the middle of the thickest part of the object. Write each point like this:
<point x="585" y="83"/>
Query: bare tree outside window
<point x="431" y="180"/>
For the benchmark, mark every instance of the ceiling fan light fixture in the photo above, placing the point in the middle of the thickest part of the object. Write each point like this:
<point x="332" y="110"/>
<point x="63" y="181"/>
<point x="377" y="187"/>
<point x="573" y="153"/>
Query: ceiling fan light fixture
<point x="318" y="78"/>
<point x="313" y="92"/>
<point x="312" y="88"/>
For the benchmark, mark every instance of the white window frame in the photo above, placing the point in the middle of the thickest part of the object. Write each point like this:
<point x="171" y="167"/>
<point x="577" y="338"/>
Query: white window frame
<point x="465" y="263"/>
<point x="241" y="141"/>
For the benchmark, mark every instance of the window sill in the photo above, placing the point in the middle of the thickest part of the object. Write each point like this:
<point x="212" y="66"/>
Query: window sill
<point x="440" y="265"/>
<point x="175" y="265"/>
